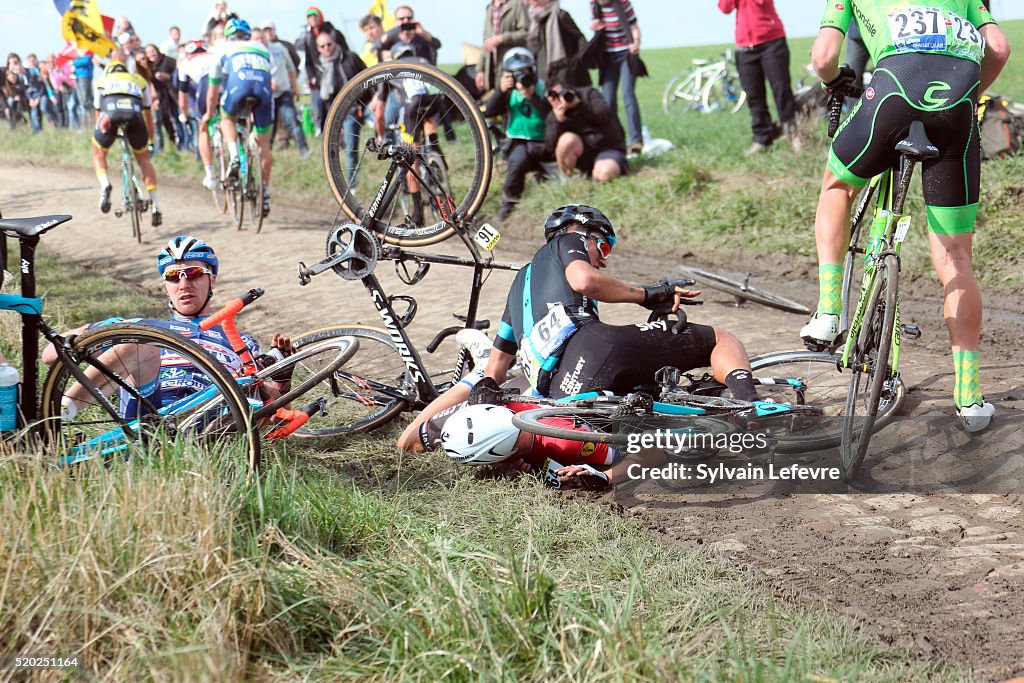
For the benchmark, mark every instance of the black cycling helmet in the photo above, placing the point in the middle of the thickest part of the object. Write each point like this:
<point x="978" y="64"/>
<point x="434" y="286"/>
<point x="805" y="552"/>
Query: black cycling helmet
<point x="586" y="217"/>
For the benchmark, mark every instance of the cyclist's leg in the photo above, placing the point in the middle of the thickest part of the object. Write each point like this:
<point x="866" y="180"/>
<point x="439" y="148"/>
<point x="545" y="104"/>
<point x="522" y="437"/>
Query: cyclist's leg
<point x="263" y="126"/>
<point x="138" y="138"/>
<point x="103" y="137"/>
<point x="951" y="192"/>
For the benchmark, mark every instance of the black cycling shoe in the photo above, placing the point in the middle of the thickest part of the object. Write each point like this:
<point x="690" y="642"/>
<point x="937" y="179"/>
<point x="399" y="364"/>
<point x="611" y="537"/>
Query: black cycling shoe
<point x="105" y="199"/>
<point x="158" y="219"/>
<point x="266" y="205"/>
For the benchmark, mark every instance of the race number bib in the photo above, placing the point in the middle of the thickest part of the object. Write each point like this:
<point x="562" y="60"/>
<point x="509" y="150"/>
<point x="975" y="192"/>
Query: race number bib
<point x="927" y="29"/>
<point x="551" y="331"/>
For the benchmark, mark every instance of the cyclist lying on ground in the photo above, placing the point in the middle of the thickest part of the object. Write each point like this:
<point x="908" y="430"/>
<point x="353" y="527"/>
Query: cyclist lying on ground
<point x="932" y="60"/>
<point x="122" y="99"/>
<point x="474" y="433"/>
<point x="551" y="321"/>
<point x="189" y="268"/>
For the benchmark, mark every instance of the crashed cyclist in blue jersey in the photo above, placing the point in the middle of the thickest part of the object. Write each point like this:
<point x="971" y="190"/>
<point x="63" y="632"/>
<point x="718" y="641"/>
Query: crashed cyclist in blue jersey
<point x="189" y="268"/>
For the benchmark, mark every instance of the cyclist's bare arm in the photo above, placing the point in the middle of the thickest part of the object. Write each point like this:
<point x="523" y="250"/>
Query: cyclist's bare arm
<point x="826" y="51"/>
<point x="498" y="364"/>
<point x="589" y="281"/>
<point x="410" y="438"/>
<point x="997" y="52"/>
<point x="49" y="355"/>
<point x="183" y="103"/>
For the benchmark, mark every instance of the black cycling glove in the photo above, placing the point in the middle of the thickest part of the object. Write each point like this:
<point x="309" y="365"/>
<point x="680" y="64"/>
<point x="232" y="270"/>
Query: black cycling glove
<point x="656" y="295"/>
<point x="846" y="77"/>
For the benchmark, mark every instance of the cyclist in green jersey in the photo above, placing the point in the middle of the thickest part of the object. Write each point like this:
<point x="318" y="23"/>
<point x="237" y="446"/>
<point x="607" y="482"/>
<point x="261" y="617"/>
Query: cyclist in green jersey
<point x="932" y="60"/>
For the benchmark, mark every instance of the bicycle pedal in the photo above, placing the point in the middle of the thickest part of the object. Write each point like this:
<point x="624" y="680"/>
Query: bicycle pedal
<point x="118" y="213"/>
<point x="910" y="331"/>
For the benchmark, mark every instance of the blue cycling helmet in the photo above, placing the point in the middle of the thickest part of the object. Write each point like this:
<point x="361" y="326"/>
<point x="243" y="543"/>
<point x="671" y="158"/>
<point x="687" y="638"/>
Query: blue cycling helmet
<point x="237" y="26"/>
<point x="586" y="217"/>
<point x="185" y="248"/>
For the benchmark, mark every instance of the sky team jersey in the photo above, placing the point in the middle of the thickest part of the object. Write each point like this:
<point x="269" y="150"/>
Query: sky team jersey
<point x="242" y="60"/>
<point x="946" y="27"/>
<point x="122" y="85"/>
<point x="178" y="378"/>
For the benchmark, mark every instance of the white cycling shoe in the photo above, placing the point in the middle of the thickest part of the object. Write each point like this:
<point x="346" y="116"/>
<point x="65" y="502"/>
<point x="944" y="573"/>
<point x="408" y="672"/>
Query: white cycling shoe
<point x="209" y="182"/>
<point x="976" y="417"/>
<point x="476" y="342"/>
<point x="822" y="330"/>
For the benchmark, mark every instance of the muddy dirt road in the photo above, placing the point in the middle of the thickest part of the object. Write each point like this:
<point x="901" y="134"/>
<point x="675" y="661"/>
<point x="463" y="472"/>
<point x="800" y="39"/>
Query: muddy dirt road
<point x="938" y="568"/>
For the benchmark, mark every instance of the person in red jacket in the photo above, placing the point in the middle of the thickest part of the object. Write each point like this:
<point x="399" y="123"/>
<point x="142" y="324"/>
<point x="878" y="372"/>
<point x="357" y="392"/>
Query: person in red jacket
<point x="762" y="52"/>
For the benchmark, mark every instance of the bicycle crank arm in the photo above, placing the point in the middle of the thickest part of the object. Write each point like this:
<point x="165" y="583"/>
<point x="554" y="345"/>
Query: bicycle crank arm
<point x="306" y="273"/>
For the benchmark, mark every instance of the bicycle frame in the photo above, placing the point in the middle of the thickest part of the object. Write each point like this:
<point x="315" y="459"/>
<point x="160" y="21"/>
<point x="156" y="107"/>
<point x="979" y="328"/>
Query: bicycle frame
<point x="889" y="228"/>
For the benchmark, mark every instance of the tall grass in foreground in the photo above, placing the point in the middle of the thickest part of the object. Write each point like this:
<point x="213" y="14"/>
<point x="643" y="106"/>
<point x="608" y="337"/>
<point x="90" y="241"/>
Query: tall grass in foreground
<point x="185" y="568"/>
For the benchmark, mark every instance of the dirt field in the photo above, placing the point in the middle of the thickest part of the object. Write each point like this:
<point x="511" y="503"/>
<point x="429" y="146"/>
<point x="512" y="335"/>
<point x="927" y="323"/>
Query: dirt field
<point x="935" y="565"/>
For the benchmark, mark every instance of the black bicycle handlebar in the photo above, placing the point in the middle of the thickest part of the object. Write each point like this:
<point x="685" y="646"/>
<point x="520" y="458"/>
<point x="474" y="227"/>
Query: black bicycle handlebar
<point x="836" y="97"/>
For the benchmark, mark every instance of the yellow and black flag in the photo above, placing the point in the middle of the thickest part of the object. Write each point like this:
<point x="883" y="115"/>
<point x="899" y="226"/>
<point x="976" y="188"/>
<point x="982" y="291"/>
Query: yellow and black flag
<point x="83" y="25"/>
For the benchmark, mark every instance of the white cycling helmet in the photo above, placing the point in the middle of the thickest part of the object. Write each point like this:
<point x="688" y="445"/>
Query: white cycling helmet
<point x="480" y="435"/>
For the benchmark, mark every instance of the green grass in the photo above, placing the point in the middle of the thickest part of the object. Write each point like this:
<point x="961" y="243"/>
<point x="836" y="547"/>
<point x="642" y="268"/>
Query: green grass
<point x="354" y="562"/>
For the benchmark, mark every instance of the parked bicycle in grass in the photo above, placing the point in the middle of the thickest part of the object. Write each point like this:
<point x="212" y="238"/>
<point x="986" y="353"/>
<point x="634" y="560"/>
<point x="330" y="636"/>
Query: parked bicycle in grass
<point x="707" y="86"/>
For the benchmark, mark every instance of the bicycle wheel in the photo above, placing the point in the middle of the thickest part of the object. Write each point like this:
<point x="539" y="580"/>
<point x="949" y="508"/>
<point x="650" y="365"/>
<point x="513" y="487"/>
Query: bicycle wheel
<point x="254" y="188"/>
<point x="741" y="290"/>
<point x="373" y="388"/>
<point x="134" y="201"/>
<point x="615" y="426"/>
<point x="681" y="94"/>
<point x="219" y="193"/>
<point x="218" y="418"/>
<point x="306" y="368"/>
<point x="871" y="379"/>
<point x="468" y="156"/>
<point x="724" y="93"/>
<point x="813" y="378"/>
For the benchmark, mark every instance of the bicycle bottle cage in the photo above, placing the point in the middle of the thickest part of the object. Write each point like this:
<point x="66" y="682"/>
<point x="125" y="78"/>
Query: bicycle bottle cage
<point x="402" y="270"/>
<point x="358" y="249"/>
<point x="404" y="318"/>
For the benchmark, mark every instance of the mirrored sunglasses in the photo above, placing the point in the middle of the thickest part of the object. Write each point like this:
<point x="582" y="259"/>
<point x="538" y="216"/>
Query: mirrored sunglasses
<point x="603" y="245"/>
<point x="189" y="273"/>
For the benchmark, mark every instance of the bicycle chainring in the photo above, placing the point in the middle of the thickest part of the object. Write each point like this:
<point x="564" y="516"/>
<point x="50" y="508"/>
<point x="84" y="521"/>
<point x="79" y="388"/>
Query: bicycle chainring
<point x="358" y="248"/>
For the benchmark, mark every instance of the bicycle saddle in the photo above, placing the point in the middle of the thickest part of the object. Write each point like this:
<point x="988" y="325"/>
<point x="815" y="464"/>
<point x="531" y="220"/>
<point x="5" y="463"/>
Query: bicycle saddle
<point x="700" y="62"/>
<point x="31" y="227"/>
<point x="916" y="145"/>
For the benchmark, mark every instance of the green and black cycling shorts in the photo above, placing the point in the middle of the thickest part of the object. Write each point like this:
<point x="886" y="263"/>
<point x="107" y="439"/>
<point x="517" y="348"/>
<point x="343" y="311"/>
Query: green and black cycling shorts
<point x="942" y="92"/>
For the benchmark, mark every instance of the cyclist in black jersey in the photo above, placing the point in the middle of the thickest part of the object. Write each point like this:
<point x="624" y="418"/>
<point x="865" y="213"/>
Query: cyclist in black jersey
<point x="551" y="321"/>
<point x="932" y="61"/>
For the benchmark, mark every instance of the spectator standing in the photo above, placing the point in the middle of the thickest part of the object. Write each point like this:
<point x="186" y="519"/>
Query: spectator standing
<point x="35" y="90"/>
<point x="408" y="30"/>
<point x="506" y="25"/>
<point x="555" y="40"/>
<point x="762" y="52"/>
<point x="621" y="36"/>
<point x="284" y="85"/>
<point x="218" y="16"/>
<point x="584" y="133"/>
<point x="84" y="66"/>
<point x="373" y="28"/>
<point x="170" y="46"/>
<point x="165" y="100"/>
<point x="307" y="45"/>
<point x="519" y="100"/>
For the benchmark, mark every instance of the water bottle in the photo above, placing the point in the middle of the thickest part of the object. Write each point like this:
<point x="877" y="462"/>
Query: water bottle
<point x="8" y="397"/>
<point x="879" y="226"/>
<point x="646" y="134"/>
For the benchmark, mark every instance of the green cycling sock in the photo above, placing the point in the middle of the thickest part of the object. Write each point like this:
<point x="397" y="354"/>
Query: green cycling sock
<point x="967" y="390"/>
<point x="830" y="285"/>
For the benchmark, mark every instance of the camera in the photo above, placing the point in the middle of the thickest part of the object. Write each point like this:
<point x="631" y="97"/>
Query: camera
<point x="408" y="26"/>
<point x="525" y="77"/>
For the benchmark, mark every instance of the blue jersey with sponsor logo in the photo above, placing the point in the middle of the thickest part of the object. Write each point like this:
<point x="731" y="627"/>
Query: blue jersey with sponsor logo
<point x="178" y="378"/>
